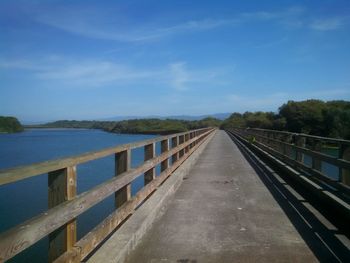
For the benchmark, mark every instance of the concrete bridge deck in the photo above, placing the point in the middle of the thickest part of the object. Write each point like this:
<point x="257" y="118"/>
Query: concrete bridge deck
<point x="226" y="211"/>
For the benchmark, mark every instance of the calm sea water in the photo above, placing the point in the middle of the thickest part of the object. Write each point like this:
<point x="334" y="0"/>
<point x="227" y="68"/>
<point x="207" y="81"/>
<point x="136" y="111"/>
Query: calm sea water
<point x="25" y="199"/>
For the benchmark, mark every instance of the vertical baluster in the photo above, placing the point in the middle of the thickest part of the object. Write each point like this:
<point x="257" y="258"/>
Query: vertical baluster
<point x="122" y="164"/>
<point x="62" y="185"/>
<point x="287" y="149"/>
<point x="181" y="141"/>
<point x="300" y="141"/>
<point x="149" y="154"/>
<point x="164" y="147"/>
<point x="317" y="147"/>
<point x="187" y="137"/>
<point x="174" y="143"/>
<point x="193" y="135"/>
<point x="280" y="137"/>
<point x="344" y="174"/>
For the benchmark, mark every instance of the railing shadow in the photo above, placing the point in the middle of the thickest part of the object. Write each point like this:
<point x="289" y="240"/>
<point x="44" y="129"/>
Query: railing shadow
<point x="326" y="242"/>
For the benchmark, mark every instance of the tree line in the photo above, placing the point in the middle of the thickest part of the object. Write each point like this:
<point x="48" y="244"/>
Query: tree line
<point x="315" y="117"/>
<point x="10" y="125"/>
<point x="136" y="126"/>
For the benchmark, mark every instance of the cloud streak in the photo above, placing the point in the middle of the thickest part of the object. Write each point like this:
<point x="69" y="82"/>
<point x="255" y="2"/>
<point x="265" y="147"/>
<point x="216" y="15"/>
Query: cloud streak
<point x="89" y="73"/>
<point x="180" y="76"/>
<point x="93" y="25"/>
<point x="328" y="24"/>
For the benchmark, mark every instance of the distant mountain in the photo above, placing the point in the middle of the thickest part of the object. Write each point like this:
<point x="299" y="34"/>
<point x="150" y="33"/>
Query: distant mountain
<point x="220" y="116"/>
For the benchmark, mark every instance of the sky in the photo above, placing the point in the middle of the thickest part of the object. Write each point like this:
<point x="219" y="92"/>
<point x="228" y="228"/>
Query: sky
<point x="99" y="59"/>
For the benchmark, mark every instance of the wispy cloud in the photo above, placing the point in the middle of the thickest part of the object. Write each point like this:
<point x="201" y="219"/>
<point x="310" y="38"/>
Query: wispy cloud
<point x="328" y="23"/>
<point x="19" y="64"/>
<point x="180" y="75"/>
<point x="79" y="72"/>
<point x="92" y="25"/>
<point x="95" y="73"/>
<point x="132" y="33"/>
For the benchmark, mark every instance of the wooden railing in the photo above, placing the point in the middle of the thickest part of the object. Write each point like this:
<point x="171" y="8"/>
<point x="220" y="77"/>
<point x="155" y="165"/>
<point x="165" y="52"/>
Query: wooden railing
<point x="59" y="222"/>
<point x="293" y="148"/>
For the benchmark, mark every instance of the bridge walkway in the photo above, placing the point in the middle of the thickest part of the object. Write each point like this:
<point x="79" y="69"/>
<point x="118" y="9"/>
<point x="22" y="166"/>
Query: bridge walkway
<point x="223" y="212"/>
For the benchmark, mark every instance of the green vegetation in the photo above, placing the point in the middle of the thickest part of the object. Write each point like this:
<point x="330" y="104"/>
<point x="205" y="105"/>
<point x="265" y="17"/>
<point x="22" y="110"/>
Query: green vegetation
<point x="316" y="117"/>
<point x="10" y="125"/>
<point x="137" y="126"/>
<point x="104" y="125"/>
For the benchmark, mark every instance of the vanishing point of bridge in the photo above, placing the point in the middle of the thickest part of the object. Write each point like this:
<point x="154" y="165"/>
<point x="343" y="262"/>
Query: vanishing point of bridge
<point x="237" y="196"/>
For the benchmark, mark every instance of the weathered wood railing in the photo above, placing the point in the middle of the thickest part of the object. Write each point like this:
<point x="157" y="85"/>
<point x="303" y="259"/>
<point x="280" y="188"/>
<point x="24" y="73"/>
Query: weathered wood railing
<point x="59" y="222"/>
<point x="292" y="148"/>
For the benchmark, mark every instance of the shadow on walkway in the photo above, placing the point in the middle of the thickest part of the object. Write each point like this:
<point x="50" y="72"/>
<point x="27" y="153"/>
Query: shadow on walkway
<point x="324" y="239"/>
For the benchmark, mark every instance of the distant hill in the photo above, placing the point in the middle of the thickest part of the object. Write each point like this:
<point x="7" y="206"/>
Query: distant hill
<point x="220" y="116"/>
<point x="10" y="125"/>
<point x="136" y="126"/>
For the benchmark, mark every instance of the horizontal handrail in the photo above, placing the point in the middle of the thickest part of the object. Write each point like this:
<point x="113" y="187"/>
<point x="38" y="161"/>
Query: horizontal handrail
<point x="327" y="139"/>
<point x="20" y="237"/>
<point x="321" y="156"/>
<point x="282" y="148"/>
<point x="11" y="175"/>
<point x="317" y="174"/>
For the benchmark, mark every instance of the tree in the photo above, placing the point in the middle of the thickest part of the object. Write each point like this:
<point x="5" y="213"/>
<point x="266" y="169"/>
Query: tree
<point x="304" y="116"/>
<point x="236" y="120"/>
<point x="315" y="117"/>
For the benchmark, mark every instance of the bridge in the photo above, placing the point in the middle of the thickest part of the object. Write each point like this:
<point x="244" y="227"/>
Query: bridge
<point x="243" y="195"/>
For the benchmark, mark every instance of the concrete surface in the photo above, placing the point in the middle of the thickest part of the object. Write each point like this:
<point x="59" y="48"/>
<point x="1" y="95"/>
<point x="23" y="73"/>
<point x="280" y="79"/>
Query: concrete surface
<point x="222" y="212"/>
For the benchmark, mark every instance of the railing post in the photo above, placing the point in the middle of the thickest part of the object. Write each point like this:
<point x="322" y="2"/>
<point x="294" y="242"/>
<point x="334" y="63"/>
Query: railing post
<point x="149" y="154"/>
<point x="174" y="143"/>
<point x="300" y="141"/>
<point x="273" y="142"/>
<point x="344" y="174"/>
<point x="287" y="150"/>
<point x="122" y="164"/>
<point x="192" y="135"/>
<point x="317" y="147"/>
<point x="187" y="137"/>
<point x="181" y="141"/>
<point x="164" y="147"/>
<point x="62" y="185"/>
<point x="281" y="138"/>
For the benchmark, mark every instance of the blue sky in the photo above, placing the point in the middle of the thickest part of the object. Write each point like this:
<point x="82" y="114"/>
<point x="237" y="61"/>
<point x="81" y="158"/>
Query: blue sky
<point x="98" y="59"/>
